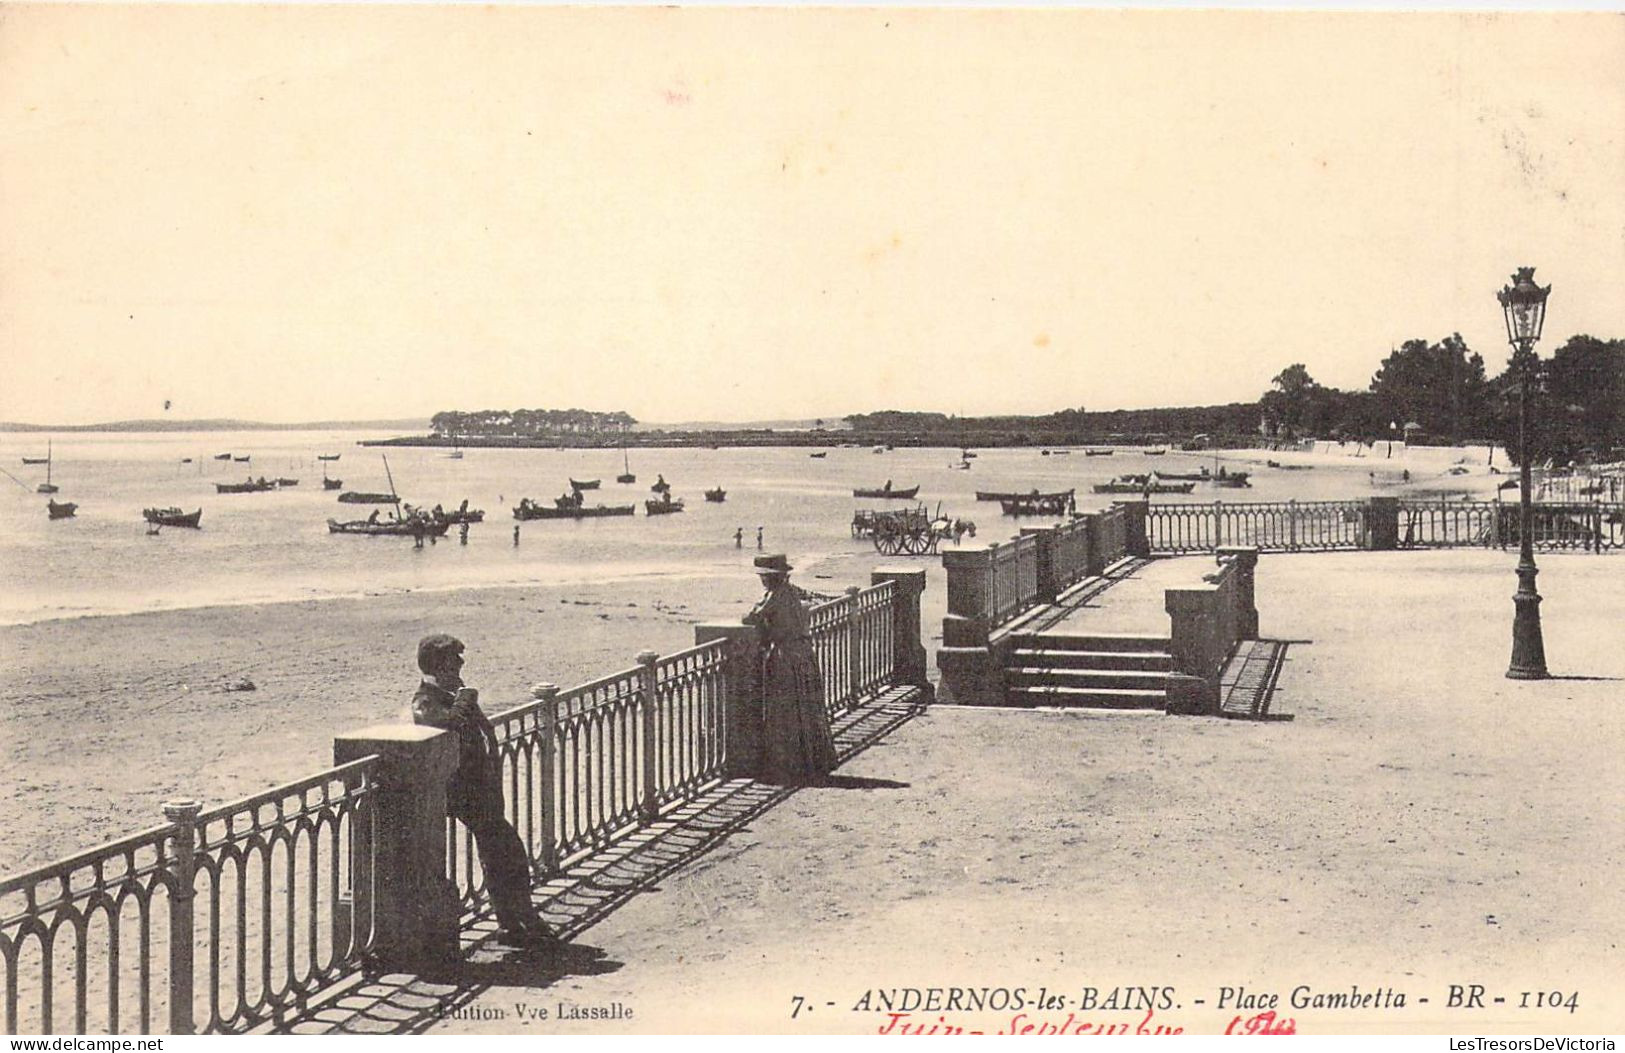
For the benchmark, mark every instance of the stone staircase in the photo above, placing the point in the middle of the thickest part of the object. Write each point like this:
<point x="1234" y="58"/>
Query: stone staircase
<point x="1094" y="670"/>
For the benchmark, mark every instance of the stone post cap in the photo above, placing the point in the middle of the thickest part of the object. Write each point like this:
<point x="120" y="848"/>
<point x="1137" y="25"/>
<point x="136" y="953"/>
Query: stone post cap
<point x="432" y="752"/>
<point x="1189" y="600"/>
<point x="183" y="810"/>
<point x="648" y="657"/>
<point x="543" y="690"/>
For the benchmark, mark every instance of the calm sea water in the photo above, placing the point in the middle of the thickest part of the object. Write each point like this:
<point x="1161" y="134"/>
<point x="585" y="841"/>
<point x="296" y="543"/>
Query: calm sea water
<point x="276" y="546"/>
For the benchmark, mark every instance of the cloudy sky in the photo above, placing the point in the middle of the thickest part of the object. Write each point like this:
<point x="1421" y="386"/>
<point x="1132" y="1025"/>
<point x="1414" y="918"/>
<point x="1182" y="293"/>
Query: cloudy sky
<point x="311" y="212"/>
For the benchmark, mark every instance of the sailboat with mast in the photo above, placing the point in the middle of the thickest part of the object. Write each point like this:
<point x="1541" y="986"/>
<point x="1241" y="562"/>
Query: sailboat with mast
<point x="626" y="475"/>
<point x="47" y="487"/>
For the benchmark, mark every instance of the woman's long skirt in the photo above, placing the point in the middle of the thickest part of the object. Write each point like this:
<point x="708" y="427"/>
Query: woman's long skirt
<point x="797" y="744"/>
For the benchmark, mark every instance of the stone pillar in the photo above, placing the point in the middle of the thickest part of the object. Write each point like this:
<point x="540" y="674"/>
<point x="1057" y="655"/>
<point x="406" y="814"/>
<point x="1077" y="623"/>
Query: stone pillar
<point x="908" y="659"/>
<point x="1382" y="519"/>
<point x="1194" y="645"/>
<point x="742" y="705"/>
<point x="1049" y="585"/>
<point x="1093" y="560"/>
<point x="1245" y="557"/>
<point x="1137" y="541"/>
<point x="965" y="659"/>
<point x="415" y="908"/>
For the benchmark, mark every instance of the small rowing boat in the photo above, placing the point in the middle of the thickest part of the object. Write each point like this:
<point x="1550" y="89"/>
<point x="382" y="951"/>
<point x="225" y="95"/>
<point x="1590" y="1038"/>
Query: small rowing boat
<point x="173" y="517"/>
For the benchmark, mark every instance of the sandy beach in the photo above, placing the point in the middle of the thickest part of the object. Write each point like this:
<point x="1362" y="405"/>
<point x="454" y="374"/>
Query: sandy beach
<point x="105" y="718"/>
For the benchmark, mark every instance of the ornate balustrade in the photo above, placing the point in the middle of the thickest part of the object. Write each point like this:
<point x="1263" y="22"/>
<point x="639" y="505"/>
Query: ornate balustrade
<point x="1380" y="523"/>
<point x="217" y="921"/>
<point x="233" y="918"/>
<point x="1206" y="623"/>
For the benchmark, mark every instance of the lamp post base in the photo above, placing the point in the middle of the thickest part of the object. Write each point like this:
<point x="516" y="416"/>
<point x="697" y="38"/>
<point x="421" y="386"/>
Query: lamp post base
<point x="1528" y="648"/>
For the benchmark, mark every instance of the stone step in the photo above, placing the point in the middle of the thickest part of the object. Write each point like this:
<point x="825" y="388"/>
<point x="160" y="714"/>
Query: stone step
<point x="1037" y="658"/>
<point x="1133" y="679"/>
<point x="1063" y="641"/>
<point x="1088" y="697"/>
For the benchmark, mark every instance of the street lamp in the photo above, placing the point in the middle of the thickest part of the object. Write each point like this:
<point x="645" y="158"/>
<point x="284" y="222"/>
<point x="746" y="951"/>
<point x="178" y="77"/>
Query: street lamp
<point x="1524" y="304"/>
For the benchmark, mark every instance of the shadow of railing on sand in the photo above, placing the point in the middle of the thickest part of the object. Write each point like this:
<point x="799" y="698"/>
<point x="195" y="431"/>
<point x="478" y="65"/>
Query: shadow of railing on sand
<point x="585" y="894"/>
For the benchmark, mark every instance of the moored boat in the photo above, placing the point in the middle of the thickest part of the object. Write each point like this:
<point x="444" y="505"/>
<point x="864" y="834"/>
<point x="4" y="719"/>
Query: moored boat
<point x="627" y="475"/>
<point x="1147" y="487"/>
<point x="664" y="507"/>
<point x="362" y="497"/>
<point x="287" y="482"/>
<point x="887" y="492"/>
<point x="173" y="517"/>
<point x="584" y="484"/>
<point x="529" y="509"/>
<point x="716" y="496"/>
<point x="60" y="510"/>
<point x="820" y="454"/>
<point x="251" y="486"/>
<point x="328" y="456"/>
<point x="332" y="484"/>
<point x="243" y="460"/>
<point x="1098" y="453"/>
<point x="222" y="456"/>
<point x="1037" y="504"/>
<point x="36" y="460"/>
<point x="415" y="526"/>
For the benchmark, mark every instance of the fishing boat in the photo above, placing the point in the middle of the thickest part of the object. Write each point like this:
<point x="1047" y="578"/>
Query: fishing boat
<point x="60" y="510"/>
<point x="1289" y="467"/>
<point x="1036" y="504"/>
<point x="455" y="455"/>
<point x="1237" y="481"/>
<point x="1198" y="477"/>
<point x="186" y="460"/>
<point x="1153" y="453"/>
<point x="966" y="455"/>
<point x="332" y="484"/>
<point x="1147" y="487"/>
<point x="663" y="507"/>
<point x="362" y="497"/>
<point x="716" y="496"/>
<point x="328" y="456"/>
<point x="243" y="460"/>
<point x="1014" y="495"/>
<point x="415" y="526"/>
<point x="529" y="509"/>
<point x="1098" y="453"/>
<point x="887" y="492"/>
<point x="626" y="475"/>
<point x="660" y="485"/>
<point x="252" y="486"/>
<point x="820" y="454"/>
<point x="48" y="487"/>
<point x="962" y="466"/>
<point x="173" y="517"/>
<point x="459" y="515"/>
<point x="222" y="456"/>
<point x="37" y="460"/>
<point x="584" y="484"/>
<point x="287" y="482"/>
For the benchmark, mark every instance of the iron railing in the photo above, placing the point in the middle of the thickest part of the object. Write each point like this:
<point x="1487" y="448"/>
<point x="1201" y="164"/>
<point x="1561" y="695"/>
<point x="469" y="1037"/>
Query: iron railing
<point x="247" y="898"/>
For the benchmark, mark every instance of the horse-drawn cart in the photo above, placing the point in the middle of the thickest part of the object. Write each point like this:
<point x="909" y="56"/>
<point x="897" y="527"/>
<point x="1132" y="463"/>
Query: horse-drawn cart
<point x="906" y="532"/>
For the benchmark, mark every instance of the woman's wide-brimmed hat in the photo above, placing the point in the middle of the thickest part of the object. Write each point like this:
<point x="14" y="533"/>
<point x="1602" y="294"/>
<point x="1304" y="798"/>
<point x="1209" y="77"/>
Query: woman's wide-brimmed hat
<point x="777" y="563"/>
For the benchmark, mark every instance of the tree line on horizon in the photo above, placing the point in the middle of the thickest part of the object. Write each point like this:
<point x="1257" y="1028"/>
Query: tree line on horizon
<point x="1430" y="392"/>
<point x="1439" y="393"/>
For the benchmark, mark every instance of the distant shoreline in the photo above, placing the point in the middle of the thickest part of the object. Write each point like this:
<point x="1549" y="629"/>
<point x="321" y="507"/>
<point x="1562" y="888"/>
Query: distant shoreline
<point x="222" y="424"/>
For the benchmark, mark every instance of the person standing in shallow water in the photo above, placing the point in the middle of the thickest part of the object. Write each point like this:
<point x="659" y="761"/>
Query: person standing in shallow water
<point x="797" y="744"/>
<point x="474" y="795"/>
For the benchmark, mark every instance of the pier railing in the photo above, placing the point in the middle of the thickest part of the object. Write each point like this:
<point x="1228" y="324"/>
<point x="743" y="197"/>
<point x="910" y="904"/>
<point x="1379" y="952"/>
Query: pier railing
<point x="216" y="922"/>
<point x="232" y="919"/>
<point x="1380" y="523"/>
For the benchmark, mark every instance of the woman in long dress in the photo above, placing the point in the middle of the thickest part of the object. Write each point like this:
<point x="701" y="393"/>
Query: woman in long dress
<point x="797" y="745"/>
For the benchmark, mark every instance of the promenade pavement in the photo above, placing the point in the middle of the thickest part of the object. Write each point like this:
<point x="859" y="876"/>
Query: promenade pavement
<point x="1421" y="822"/>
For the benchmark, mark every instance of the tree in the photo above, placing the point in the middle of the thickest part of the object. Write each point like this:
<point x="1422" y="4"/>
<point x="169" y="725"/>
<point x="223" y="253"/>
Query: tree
<point x="1439" y="386"/>
<point x="1288" y="406"/>
<point x="1576" y="402"/>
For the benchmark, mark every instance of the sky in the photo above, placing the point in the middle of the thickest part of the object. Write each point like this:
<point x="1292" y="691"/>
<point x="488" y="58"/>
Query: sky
<point x="311" y="212"/>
